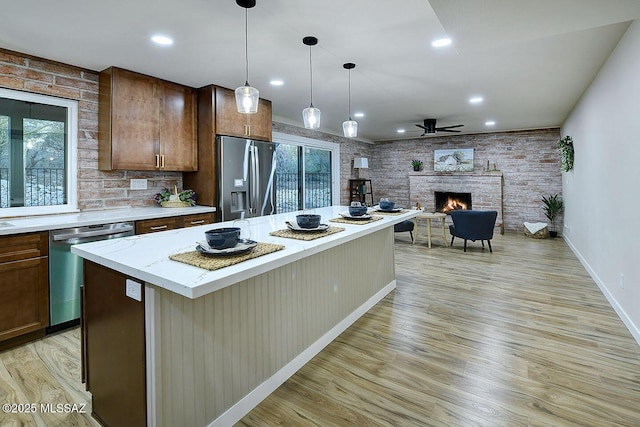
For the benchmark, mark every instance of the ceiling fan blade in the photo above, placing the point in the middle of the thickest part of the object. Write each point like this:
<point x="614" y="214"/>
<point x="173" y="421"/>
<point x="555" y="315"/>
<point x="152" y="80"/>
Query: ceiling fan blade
<point x="422" y="127"/>
<point x="446" y="130"/>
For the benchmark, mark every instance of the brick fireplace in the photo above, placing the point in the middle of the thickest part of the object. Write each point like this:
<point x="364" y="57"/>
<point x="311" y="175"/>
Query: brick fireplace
<point x="485" y="189"/>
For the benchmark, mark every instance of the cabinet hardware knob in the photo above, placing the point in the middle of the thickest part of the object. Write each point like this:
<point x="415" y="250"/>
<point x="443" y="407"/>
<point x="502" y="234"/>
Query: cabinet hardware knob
<point x="159" y="227"/>
<point x="197" y="222"/>
<point x="162" y="164"/>
<point x="157" y="161"/>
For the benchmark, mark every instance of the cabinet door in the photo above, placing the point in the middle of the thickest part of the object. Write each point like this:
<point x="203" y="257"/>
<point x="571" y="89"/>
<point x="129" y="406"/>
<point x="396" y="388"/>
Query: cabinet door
<point x="24" y="284"/>
<point x="24" y="288"/>
<point x="260" y="123"/>
<point x="178" y="146"/>
<point x="135" y="119"/>
<point x="228" y="120"/>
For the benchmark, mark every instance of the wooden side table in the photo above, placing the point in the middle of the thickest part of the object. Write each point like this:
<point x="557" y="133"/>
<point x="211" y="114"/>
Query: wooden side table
<point x="428" y="216"/>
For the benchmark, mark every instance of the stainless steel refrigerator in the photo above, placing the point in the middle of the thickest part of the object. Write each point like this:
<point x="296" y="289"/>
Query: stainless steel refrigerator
<point x="247" y="178"/>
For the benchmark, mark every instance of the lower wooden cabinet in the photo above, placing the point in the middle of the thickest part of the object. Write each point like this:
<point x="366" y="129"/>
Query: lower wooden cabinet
<point x="159" y="224"/>
<point x="198" y="219"/>
<point x="24" y="285"/>
<point x="170" y="223"/>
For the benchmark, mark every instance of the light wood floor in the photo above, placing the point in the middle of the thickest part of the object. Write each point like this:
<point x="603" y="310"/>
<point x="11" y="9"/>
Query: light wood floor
<point x="520" y="337"/>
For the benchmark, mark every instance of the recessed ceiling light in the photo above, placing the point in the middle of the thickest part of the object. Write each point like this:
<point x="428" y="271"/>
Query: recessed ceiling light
<point x="446" y="41"/>
<point x="358" y="114"/>
<point x="162" y="40"/>
<point x="401" y="131"/>
<point x="475" y="99"/>
<point x="489" y="123"/>
<point x="276" y="82"/>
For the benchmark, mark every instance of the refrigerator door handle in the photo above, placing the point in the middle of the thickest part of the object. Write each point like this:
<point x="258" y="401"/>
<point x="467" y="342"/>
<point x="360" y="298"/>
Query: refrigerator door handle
<point x="256" y="180"/>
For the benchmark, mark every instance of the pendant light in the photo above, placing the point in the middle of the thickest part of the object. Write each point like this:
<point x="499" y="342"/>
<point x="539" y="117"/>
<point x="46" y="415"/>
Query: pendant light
<point x="350" y="127"/>
<point x="311" y="115"/>
<point x="246" y="96"/>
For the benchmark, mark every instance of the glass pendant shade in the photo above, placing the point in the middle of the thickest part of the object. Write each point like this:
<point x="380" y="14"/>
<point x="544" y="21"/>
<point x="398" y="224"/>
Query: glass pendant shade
<point x="350" y="128"/>
<point x="311" y="117"/>
<point x="247" y="99"/>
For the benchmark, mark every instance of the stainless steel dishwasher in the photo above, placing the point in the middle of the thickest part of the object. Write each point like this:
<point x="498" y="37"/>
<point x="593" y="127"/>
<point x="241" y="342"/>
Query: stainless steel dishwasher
<point x="65" y="268"/>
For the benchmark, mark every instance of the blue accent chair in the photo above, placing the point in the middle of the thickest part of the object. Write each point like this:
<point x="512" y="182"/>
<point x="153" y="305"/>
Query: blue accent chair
<point x="405" y="225"/>
<point x="473" y="225"/>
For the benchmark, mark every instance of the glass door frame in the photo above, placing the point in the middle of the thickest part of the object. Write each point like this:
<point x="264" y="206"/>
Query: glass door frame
<point x="332" y="147"/>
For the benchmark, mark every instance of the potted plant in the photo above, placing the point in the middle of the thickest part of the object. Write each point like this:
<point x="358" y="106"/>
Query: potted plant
<point x="553" y="205"/>
<point x="417" y="164"/>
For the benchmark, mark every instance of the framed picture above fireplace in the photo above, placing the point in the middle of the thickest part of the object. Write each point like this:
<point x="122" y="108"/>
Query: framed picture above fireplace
<point x="453" y="160"/>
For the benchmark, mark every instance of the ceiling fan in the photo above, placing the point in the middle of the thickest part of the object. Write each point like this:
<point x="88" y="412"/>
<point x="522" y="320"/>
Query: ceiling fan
<point x="430" y="127"/>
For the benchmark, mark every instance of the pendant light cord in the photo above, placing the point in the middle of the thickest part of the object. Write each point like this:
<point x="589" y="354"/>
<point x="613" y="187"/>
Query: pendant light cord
<point x="349" y="94"/>
<point x="246" y="45"/>
<point x="311" y="78"/>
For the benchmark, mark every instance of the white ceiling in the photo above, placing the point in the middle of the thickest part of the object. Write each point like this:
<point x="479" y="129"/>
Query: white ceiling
<point x="529" y="60"/>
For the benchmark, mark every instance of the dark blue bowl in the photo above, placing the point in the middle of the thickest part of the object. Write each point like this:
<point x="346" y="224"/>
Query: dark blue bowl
<point x="357" y="210"/>
<point x="308" y="221"/>
<point x="387" y="205"/>
<point x="223" y="238"/>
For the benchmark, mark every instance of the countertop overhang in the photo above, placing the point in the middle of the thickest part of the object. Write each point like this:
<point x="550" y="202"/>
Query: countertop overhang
<point x="146" y="257"/>
<point x="10" y="226"/>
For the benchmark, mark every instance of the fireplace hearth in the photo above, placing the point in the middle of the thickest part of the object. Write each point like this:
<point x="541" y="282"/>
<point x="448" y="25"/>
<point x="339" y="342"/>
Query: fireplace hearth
<point x="446" y="201"/>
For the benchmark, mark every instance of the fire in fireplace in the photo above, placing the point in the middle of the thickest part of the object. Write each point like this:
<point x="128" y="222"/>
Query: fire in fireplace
<point x="447" y="201"/>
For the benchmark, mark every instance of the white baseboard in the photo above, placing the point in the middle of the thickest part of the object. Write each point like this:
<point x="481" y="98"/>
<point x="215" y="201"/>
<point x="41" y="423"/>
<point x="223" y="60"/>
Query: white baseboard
<point x="635" y="331"/>
<point x="251" y="400"/>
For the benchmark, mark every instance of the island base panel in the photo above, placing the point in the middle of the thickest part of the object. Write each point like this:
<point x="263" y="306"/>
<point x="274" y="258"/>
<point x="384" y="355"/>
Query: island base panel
<point x="210" y="353"/>
<point x="115" y="348"/>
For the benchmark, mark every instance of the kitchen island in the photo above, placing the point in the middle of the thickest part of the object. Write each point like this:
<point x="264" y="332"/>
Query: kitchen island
<point x="194" y="347"/>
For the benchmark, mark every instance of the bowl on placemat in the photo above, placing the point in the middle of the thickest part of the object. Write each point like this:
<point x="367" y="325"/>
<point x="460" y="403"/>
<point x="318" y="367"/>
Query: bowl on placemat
<point x="223" y="238"/>
<point x="308" y="220"/>
<point x="357" y="210"/>
<point x="386" y="205"/>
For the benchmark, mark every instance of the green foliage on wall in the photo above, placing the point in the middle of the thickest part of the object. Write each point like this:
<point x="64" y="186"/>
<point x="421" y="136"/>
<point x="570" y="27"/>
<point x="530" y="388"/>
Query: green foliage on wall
<point x="565" y="146"/>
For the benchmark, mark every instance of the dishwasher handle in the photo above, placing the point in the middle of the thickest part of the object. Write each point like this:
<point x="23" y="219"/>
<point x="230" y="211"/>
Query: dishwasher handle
<point x="79" y="235"/>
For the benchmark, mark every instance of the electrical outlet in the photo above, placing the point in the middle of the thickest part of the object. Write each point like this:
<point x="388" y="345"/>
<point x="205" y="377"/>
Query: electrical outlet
<point x="133" y="290"/>
<point x="621" y="281"/>
<point x="138" y="184"/>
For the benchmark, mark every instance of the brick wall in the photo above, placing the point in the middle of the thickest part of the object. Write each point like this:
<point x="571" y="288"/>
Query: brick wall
<point x="96" y="189"/>
<point x="528" y="160"/>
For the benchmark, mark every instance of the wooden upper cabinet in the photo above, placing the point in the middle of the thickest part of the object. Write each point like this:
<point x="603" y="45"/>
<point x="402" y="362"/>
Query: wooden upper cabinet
<point x="178" y="127"/>
<point x="230" y="122"/>
<point x="146" y="123"/>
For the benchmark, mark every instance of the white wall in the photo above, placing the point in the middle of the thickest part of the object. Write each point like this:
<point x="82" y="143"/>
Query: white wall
<point x="602" y="193"/>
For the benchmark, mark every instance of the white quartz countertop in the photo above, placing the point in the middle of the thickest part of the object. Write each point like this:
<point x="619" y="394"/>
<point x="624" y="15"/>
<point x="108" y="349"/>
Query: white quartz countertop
<point x="146" y="257"/>
<point x="79" y="219"/>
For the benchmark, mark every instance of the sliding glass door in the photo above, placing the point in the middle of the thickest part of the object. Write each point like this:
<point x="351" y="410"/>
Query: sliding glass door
<point x="306" y="173"/>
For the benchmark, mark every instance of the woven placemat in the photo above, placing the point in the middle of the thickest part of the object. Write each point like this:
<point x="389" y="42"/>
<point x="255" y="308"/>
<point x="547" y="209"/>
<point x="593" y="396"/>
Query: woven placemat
<point x="217" y="262"/>
<point x="305" y="235"/>
<point x="356" y="221"/>
<point x="390" y="213"/>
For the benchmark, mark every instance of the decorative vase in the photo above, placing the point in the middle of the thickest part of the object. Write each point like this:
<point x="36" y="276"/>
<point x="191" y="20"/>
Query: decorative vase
<point x="416" y="168"/>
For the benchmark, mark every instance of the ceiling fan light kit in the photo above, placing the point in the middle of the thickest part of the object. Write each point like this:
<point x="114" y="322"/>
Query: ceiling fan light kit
<point x="246" y="96"/>
<point x="350" y="127"/>
<point x="311" y="115"/>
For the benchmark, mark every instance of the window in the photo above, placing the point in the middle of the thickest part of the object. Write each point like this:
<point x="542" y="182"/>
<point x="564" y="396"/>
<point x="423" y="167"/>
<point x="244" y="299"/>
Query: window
<point x="38" y="137"/>
<point x="307" y="173"/>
